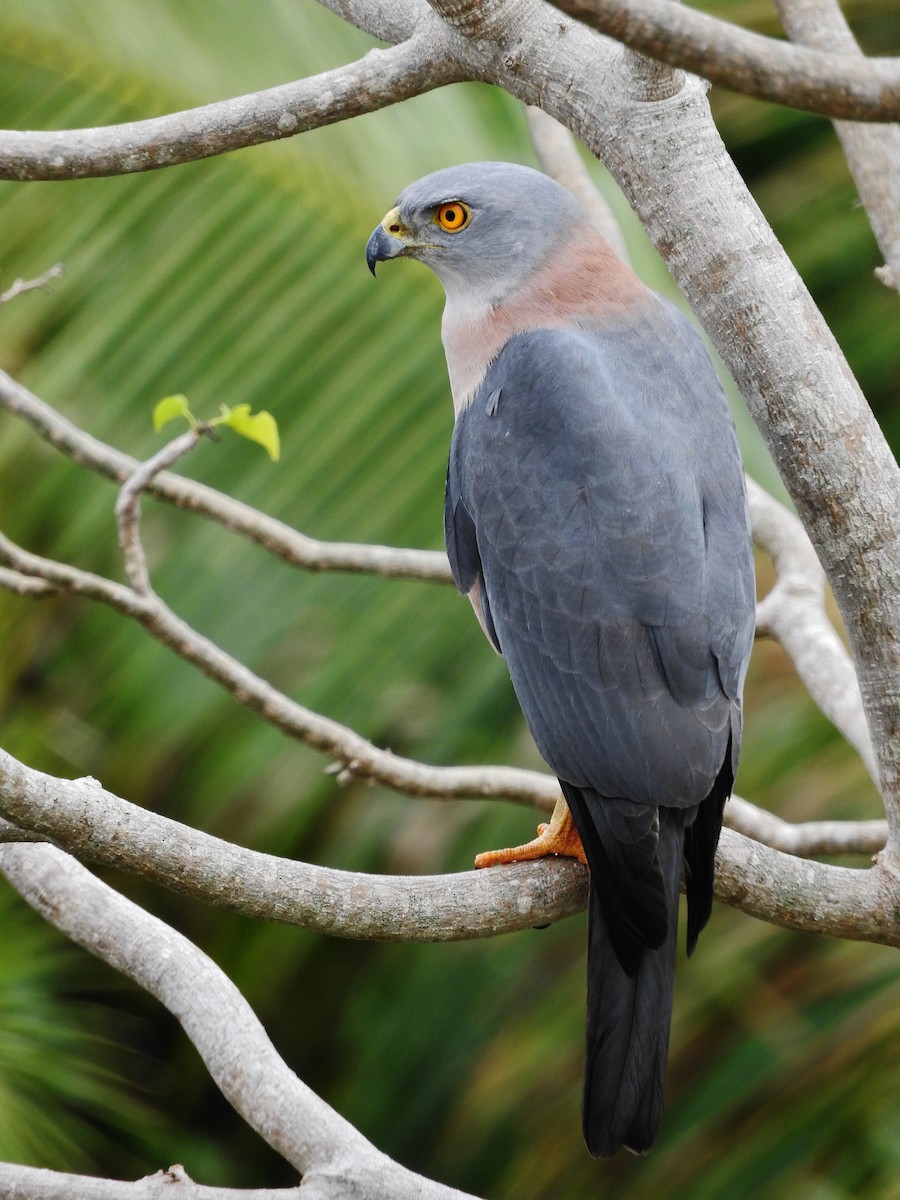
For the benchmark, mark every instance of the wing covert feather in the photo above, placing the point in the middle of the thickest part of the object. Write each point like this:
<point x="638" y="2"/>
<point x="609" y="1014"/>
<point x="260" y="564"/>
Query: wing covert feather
<point x="605" y="522"/>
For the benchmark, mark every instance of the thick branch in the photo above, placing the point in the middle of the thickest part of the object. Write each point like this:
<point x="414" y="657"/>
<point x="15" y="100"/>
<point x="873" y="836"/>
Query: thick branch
<point x="334" y="1159"/>
<point x="97" y="826"/>
<point x="804" y="895"/>
<point x="100" y="827"/>
<point x="380" y="78"/>
<point x="837" y="85"/>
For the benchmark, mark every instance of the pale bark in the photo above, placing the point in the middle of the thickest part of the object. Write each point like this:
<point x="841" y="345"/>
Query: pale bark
<point x="98" y="826"/>
<point x="381" y="78"/>
<point x="837" y="84"/>
<point x="873" y="152"/>
<point x="336" y="1161"/>
<point x="293" y="547"/>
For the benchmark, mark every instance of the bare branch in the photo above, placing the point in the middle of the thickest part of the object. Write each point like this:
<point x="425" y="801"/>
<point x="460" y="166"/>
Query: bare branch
<point x="15" y="833"/>
<point x="380" y="78"/>
<point x="20" y="286"/>
<point x="34" y="1183"/>
<point x="98" y="826"/>
<point x="559" y="157"/>
<point x="128" y="507"/>
<point x="294" y="548"/>
<point x="359" y="758"/>
<point x="873" y="153"/>
<point x="801" y="894"/>
<point x="794" y="613"/>
<point x="335" y="1160"/>
<point x="23" y="585"/>
<point x="837" y="85"/>
<point x="807" y="839"/>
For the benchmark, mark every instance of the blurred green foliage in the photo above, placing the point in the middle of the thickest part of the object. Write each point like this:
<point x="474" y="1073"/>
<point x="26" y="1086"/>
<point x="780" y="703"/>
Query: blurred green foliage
<point x="242" y="280"/>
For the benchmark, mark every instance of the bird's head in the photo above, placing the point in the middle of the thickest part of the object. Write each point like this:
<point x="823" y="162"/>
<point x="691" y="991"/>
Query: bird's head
<point x="483" y="228"/>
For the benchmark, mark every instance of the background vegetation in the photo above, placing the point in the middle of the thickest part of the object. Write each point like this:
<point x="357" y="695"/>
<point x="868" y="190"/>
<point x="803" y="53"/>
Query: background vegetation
<point x="243" y="280"/>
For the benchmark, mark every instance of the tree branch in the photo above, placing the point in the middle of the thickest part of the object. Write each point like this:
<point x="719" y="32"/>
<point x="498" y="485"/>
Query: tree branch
<point x="873" y="153"/>
<point x="798" y="893"/>
<point x="807" y="839"/>
<point x="33" y="1183"/>
<point x="99" y="827"/>
<point x="794" y="613"/>
<point x="559" y="157"/>
<point x="834" y="84"/>
<point x="360" y="758"/>
<point x="288" y="544"/>
<point x="24" y="585"/>
<point x="335" y="1160"/>
<point x="128" y="508"/>
<point x="380" y="78"/>
<point x="20" y="286"/>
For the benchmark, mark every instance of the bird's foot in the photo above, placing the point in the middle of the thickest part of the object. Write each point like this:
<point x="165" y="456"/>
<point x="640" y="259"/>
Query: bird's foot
<point x="558" y="837"/>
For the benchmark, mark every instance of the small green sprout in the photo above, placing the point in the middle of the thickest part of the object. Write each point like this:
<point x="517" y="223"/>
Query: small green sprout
<point x="256" y="427"/>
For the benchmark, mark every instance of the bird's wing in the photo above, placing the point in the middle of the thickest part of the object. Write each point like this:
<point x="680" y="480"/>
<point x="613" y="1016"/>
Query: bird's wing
<point x="596" y="499"/>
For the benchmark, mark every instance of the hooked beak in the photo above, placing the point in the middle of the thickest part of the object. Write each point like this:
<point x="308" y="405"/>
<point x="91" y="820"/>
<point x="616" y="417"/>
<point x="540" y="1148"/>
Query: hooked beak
<point x="387" y="240"/>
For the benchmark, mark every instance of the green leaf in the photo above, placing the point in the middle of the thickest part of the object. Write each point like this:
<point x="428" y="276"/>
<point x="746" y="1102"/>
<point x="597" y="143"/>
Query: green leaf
<point x="256" y="427"/>
<point x="169" y="409"/>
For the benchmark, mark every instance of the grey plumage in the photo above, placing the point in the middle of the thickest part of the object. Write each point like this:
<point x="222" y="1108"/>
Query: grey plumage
<point x="596" y="515"/>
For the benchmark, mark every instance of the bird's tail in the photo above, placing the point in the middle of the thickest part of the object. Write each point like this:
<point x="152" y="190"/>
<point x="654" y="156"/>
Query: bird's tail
<point x="636" y="860"/>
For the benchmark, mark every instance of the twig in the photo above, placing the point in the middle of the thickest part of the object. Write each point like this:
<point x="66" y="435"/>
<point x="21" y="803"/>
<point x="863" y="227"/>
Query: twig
<point x="335" y="1160"/>
<point x="128" y="507"/>
<point x="42" y="283"/>
<point x="34" y="1183"/>
<point x="808" y="838"/>
<point x="293" y="547"/>
<point x="559" y="157"/>
<point x="25" y="585"/>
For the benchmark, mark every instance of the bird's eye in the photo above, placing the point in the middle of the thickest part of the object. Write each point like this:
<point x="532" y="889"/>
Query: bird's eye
<point x="453" y="216"/>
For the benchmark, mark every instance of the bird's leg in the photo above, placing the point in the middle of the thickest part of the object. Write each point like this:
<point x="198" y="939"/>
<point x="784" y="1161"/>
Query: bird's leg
<point x="559" y="837"/>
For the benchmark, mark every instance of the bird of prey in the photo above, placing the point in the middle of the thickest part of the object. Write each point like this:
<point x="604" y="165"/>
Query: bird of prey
<point x="596" y="517"/>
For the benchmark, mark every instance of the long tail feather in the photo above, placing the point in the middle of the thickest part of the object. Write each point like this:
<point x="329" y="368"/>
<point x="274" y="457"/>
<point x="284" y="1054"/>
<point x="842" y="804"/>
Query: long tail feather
<point x="633" y="920"/>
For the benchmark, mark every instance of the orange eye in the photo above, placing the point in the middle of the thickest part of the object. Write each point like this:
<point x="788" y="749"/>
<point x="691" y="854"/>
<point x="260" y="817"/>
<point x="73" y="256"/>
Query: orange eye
<point x="452" y="216"/>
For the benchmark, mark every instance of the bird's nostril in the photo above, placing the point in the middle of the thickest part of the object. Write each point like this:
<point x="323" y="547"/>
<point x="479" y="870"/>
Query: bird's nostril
<point x="393" y="229"/>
